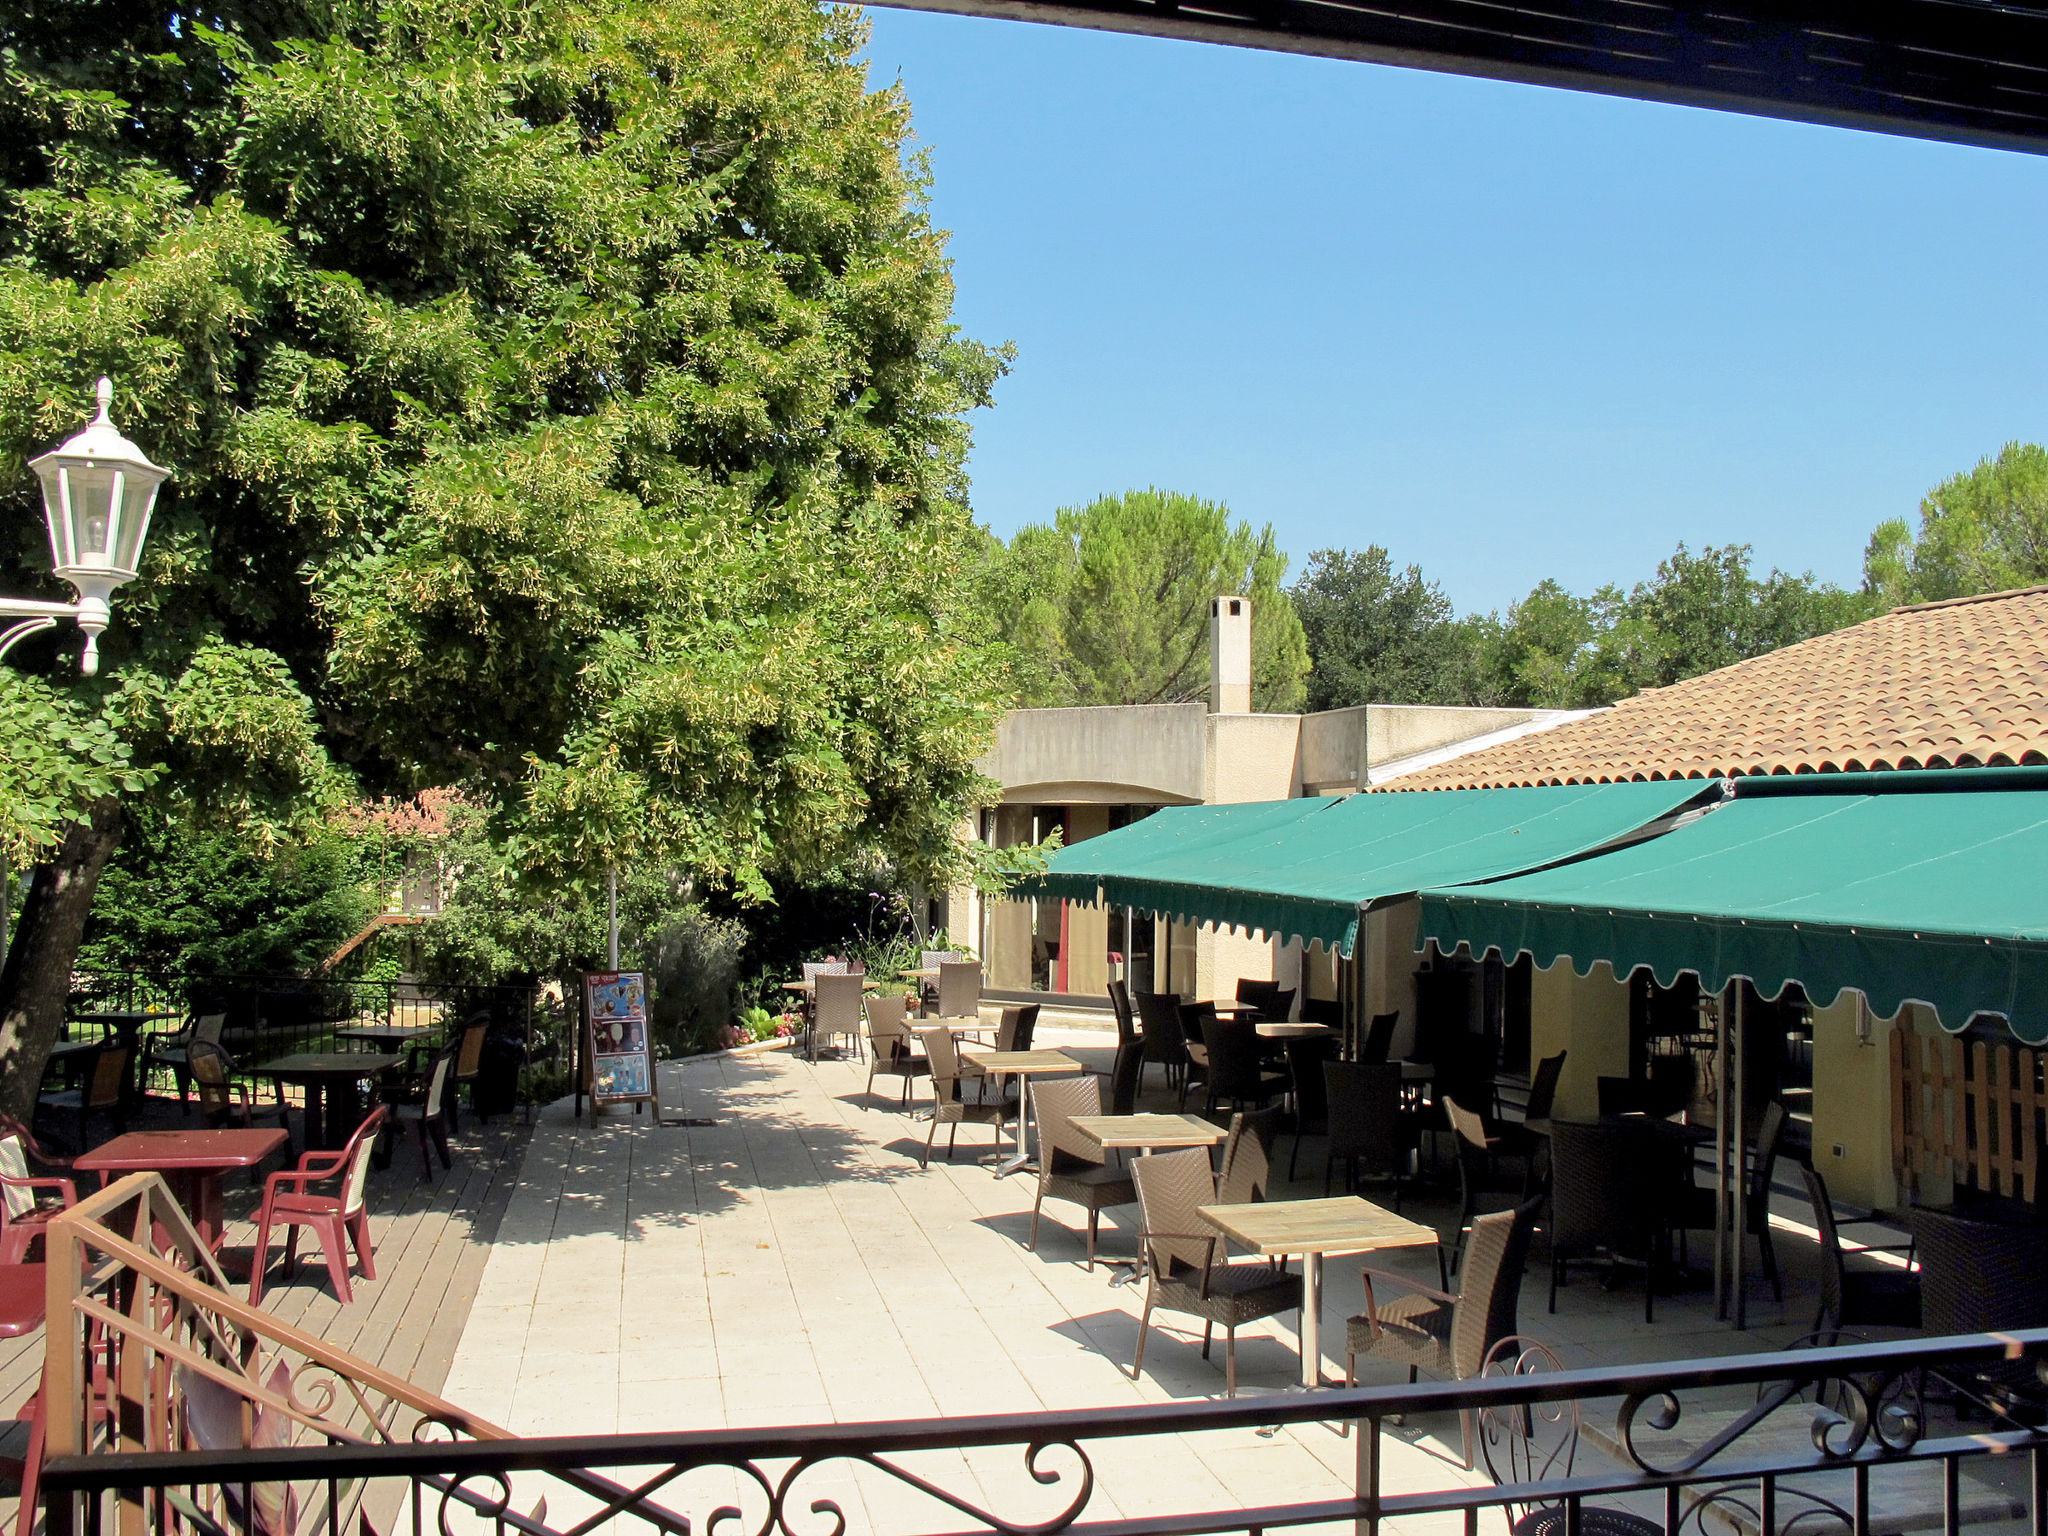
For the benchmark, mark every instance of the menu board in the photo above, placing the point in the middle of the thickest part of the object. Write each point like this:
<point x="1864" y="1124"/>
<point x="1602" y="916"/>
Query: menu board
<point x="621" y="1059"/>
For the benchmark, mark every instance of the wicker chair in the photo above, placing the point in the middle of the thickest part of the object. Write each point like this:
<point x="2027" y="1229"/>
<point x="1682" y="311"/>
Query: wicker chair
<point x="1370" y="1132"/>
<point x="960" y="989"/>
<point x="1016" y="1027"/>
<point x="1271" y="999"/>
<point x="1166" y="1043"/>
<point x="1130" y="1051"/>
<point x="1479" y="1166"/>
<point x="1235" y="1072"/>
<point x="1434" y="1331"/>
<point x="949" y="1106"/>
<point x="836" y="1011"/>
<point x="1698" y="1211"/>
<point x="1379" y="1038"/>
<point x="1182" y="1273"/>
<point x="1070" y="1165"/>
<point x="890" y="1051"/>
<point x="104" y="1091"/>
<point x="1854" y="1298"/>
<point x="1604" y="1205"/>
<point x="1527" y="1137"/>
<point x="1980" y="1276"/>
<point x="1248" y="1159"/>
<point x="1305" y="1062"/>
<point x="171" y="1051"/>
<point x="931" y="960"/>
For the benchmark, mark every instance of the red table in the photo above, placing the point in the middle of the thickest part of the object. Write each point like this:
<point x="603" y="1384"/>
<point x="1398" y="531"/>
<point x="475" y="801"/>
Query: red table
<point x="192" y="1163"/>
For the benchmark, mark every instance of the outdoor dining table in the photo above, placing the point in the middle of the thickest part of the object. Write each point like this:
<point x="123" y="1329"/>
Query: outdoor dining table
<point x="385" y="1034"/>
<point x="1148" y="1132"/>
<point x="1313" y="1228"/>
<point x="330" y="1079"/>
<point x="1283" y="1029"/>
<point x="191" y="1162"/>
<point x="1024" y="1064"/>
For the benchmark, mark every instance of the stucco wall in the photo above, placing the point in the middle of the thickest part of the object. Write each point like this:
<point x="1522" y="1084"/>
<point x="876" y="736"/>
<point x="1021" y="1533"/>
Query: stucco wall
<point x="1586" y="1016"/>
<point x="1339" y="746"/>
<point x="1852" y="1105"/>
<point x="1140" y="754"/>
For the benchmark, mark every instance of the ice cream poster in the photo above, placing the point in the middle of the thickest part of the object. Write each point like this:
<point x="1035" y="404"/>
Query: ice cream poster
<point x="621" y="1063"/>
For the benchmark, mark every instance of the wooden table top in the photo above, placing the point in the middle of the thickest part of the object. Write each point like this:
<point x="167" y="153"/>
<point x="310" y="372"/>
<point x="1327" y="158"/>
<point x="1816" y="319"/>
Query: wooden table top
<point x="1225" y="1007"/>
<point x="810" y="986"/>
<point x="326" y="1064"/>
<point x="1022" y="1063"/>
<point x="1284" y="1029"/>
<point x="181" y="1151"/>
<point x="122" y="1016"/>
<point x="21" y="1299"/>
<point x="1149" y="1130"/>
<point x="922" y="973"/>
<point x="1341" y="1224"/>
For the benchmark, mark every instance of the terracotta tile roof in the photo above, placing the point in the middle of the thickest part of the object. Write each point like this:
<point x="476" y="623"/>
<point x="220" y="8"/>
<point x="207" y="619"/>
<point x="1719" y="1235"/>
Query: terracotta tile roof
<point x="1936" y="685"/>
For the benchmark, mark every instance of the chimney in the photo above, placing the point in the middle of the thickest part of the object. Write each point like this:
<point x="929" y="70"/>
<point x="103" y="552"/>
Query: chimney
<point x="1230" y="656"/>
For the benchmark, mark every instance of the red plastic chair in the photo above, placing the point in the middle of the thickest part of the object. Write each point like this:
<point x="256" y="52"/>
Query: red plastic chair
<point x="336" y="1218"/>
<point x="24" y="1214"/>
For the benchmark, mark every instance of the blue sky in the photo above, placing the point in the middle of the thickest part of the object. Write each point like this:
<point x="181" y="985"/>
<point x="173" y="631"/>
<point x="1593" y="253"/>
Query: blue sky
<point x="1507" y="332"/>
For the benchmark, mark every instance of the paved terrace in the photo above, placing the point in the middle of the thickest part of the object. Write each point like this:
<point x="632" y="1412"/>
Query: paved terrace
<point x="793" y="1263"/>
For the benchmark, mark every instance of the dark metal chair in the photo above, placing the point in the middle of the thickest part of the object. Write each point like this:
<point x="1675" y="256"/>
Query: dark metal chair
<point x="1479" y="1169"/>
<point x="1526" y="1137"/>
<point x="1182" y="1271"/>
<point x="1698" y="1211"/>
<point x="1533" y="1443"/>
<point x="1858" y="1298"/>
<point x="1305" y="1061"/>
<point x="1370" y="1130"/>
<point x="1165" y="1042"/>
<point x="1130" y="1051"/>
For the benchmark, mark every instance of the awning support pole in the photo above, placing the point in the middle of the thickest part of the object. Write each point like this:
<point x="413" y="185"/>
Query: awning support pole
<point x="1739" y="1253"/>
<point x="1720" y="1156"/>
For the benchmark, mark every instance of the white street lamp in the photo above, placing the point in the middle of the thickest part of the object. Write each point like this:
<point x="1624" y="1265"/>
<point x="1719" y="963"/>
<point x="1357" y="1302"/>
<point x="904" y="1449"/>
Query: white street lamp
<point x="98" y="492"/>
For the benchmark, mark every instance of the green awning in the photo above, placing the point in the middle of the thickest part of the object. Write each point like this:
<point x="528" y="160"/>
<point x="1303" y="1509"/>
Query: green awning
<point x="1307" y="868"/>
<point x="1927" y="887"/>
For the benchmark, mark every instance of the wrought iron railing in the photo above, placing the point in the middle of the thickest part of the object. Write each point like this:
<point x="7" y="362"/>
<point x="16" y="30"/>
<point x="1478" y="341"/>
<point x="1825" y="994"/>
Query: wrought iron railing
<point x="1801" y="1440"/>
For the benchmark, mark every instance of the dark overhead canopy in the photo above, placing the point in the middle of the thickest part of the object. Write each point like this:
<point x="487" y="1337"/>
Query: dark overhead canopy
<point x="1922" y="887"/>
<point x="1938" y="69"/>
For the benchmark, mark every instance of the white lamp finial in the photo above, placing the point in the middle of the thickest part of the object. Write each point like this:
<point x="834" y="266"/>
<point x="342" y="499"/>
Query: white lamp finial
<point x="104" y="393"/>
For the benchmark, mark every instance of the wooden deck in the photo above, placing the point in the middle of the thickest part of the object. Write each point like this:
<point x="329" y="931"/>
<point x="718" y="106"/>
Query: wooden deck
<point x="432" y="1240"/>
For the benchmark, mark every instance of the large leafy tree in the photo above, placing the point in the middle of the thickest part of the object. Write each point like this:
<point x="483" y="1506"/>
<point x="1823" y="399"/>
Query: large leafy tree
<point x="1377" y="635"/>
<point x="1982" y="531"/>
<point x="563" y="404"/>
<point x="1110" y="603"/>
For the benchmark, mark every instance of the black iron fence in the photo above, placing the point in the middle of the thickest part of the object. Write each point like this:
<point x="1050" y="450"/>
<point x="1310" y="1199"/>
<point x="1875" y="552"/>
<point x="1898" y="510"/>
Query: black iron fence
<point x="1924" y="1435"/>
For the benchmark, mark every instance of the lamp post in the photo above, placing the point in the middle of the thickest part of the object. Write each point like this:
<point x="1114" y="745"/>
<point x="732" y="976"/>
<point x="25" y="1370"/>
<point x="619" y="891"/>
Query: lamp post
<point x="98" y="492"/>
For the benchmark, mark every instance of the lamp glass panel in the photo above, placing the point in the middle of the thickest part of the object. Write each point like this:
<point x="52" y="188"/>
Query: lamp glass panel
<point x="138" y="500"/>
<point x="92" y="512"/>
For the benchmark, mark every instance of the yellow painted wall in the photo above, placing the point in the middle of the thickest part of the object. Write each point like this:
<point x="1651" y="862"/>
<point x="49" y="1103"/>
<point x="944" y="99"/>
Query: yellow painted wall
<point x="1587" y="1017"/>
<point x="1852" y="1105"/>
<point x="1008" y="961"/>
<point x="1087" y="952"/>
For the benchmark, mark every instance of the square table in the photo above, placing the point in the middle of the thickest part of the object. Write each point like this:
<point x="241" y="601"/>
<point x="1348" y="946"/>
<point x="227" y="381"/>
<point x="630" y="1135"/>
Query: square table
<point x="322" y="1073"/>
<point x="1148" y="1132"/>
<point x="1287" y="1029"/>
<point x="385" y="1034"/>
<point x="192" y="1163"/>
<point x="1312" y="1228"/>
<point x="1024" y="1064"/>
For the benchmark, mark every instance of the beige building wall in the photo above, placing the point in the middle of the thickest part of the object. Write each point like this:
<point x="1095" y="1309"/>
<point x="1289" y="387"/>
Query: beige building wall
<point x="1852" y="1105"/>
<point x="1387" y="940"/>
<point x="1087" y="936"/>
<point x="1586" y="1016"/>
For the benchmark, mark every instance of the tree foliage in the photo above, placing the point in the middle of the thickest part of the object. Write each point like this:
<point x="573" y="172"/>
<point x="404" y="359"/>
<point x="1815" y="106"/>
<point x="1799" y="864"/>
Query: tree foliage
<point x="1985" y="530"/>
<point x="562" y="400"/>
<point x="1110" y="604"/>
<point x="56" y="760"/>
<point x="1377" y="635"/>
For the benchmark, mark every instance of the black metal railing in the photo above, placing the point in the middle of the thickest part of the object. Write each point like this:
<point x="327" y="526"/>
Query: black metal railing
<point x="1916" y="1435"/>
<point x="265" y="1017"/>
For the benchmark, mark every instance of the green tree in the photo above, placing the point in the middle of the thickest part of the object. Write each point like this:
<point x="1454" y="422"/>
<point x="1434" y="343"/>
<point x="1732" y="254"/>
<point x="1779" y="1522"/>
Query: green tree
<point x="1379" y="636"/>
<point x="563" y="404"/>
<point x="1982" y="531"/>
<point x="1110" y="604"/>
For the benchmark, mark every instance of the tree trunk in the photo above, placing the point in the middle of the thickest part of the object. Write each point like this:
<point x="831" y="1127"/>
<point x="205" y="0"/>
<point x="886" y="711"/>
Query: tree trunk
<point x="36" y="980"/>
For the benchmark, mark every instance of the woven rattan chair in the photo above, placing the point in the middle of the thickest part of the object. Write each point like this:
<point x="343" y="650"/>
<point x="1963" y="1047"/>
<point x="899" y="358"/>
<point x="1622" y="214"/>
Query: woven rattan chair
<point x="1273" y="1001"/>
<point x="836" y="1011"/>
<point x="1016" y="1027"/>
<point x="1236" y="1073"/>
<point x="1071" y="1166"/>
<point x="931" y="960"/>
<point x="1526" y="1137"/>
<point x="1370" y="1132"/>
<point x="170" y="1051"/>
<point x="1480" y="1173"/>
<point x="1197" y="1023"/>
<point x="1166" y="1043"/>
<point x="1379" y="1038"/>
<point x="1305" y="1062"/>
<point x="949" y="1106"/>
<point x="222" y="1100"/>
<point x="1858" y="1298"/>
<point x="960" y="989"/>
<point x="1184" y="1271"/>
<point x="1247" y="1159"/>
<point x="1698" y="1209"/>
<point x="1979" y="1276"/>
<point x="891" y="1051"/>
<point x="1604" y="1205"/>
<point x="1130" y="1051"/>
<point x="1434" y="1331"/>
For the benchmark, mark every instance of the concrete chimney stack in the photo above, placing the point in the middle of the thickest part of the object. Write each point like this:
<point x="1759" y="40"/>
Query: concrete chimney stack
<point x="1230" y="656"/>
